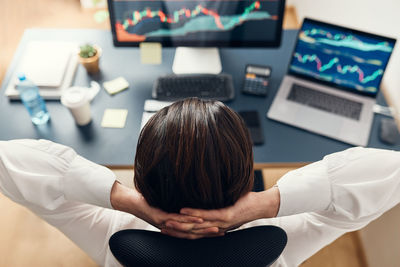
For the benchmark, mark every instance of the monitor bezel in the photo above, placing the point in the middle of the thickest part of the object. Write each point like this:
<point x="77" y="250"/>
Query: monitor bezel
<point x="212" y="43"/>
<point x="353" y="31"/>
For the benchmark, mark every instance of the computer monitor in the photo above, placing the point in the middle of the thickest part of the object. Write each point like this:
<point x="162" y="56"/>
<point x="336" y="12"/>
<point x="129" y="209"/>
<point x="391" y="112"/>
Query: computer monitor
<point x="197" y="26"/>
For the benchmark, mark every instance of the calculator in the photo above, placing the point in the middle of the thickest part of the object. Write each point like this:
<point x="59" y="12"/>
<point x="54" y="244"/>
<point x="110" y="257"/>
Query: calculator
<point x="256" y="80"/>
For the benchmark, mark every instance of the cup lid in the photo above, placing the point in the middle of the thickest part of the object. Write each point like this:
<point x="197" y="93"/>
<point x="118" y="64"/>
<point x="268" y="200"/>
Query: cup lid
<point x="74" y="97"/>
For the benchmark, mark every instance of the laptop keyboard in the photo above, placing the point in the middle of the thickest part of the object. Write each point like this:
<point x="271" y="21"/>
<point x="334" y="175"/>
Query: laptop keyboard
<point x="327" y="102"/>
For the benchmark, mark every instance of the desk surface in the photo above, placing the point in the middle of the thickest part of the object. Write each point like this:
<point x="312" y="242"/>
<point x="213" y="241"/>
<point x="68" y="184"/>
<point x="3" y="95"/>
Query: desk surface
<point x="116" y="147"/>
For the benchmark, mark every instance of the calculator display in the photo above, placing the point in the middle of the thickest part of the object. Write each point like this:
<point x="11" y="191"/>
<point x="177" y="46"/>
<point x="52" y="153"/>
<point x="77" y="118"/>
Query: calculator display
<point x="256" y="81"/>
<point x="259" y="71"/>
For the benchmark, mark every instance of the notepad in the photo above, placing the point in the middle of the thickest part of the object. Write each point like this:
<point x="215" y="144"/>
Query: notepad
<point x="115" y="86"/>
<point x="45" y="62"/>
<point x="150" y="53"/>
<point x="114" y="118"/>
<point x="53" y="74"/>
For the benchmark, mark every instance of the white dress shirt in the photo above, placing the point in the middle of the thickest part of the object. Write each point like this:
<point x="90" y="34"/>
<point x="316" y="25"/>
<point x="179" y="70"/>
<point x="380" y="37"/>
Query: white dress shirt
<point x="319" y="202"/>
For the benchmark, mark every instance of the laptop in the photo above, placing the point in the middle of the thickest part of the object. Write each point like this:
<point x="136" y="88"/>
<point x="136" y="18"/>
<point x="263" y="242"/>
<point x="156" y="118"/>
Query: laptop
<point x="332" y="81"/>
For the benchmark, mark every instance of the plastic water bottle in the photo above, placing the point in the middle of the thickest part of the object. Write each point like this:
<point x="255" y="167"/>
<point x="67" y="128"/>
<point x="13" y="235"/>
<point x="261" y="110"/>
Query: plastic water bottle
<point x="32" y="100"/>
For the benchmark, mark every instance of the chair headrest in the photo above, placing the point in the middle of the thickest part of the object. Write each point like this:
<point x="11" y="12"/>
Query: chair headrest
<point x="256" y="246"/>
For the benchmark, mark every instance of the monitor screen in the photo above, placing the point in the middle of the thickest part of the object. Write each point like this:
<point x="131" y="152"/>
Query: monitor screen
<point x="341" y="57"/>
<point x="197" y="23"/>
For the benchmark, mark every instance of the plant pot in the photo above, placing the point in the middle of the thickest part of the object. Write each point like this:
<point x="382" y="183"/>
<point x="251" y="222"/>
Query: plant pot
<point x="92" y="63"/>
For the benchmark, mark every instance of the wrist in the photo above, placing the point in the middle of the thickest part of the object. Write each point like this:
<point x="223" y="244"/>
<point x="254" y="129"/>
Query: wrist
<point x="275" y="201"/>
<point x="268" y="203"/>
<point x="122" y="198"/>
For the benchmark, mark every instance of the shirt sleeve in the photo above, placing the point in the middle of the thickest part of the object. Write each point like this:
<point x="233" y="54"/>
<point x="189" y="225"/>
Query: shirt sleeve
<point x="46" y="174"/>
<point x="352" y="185"/>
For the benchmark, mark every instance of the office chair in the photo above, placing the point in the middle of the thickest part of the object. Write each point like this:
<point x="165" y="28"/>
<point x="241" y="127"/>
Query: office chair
<point x="256" y="246"/>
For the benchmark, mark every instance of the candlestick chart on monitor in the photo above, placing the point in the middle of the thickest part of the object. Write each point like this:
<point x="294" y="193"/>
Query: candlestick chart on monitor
<point x="344" y="58"/>
<point x="139" y="21"/>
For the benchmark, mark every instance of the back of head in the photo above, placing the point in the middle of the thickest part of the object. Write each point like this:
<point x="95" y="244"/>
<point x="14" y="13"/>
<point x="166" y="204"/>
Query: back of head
<point x="194" y="153"/>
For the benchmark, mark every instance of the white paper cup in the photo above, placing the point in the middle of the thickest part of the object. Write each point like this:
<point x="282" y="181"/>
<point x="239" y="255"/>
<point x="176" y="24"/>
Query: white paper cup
<point x="77" y="101"/>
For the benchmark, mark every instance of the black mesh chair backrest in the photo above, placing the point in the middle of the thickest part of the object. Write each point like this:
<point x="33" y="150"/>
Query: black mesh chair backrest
<point x="256" y="246"/>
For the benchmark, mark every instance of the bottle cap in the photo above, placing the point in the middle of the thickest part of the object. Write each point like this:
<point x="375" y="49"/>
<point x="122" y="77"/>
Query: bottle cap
<point x="21" y="77"/>
<point x="74" y="97"/>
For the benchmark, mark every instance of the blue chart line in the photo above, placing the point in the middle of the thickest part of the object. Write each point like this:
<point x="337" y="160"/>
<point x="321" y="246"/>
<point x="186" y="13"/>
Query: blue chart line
<point x="335" y="62"/>
<point x="341" y="40"/>
<point x="207" y="24"/>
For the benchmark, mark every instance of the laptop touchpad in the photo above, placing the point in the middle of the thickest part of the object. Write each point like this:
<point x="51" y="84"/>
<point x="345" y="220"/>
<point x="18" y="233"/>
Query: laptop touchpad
<point x="319" y="121"/>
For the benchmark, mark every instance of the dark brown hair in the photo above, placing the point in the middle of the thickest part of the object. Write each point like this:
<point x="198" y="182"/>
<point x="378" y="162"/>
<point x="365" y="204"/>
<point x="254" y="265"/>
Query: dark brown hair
<point x="194" y="153"/>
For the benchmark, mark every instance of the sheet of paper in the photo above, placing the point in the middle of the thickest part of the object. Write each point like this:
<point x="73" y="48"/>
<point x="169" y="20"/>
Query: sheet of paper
<point x="150" y="53"/>
<point x="114" y="118"/>
<point x="47" y="92"/>
<point x="45" y="62"/>
<point x="115" y="86"/>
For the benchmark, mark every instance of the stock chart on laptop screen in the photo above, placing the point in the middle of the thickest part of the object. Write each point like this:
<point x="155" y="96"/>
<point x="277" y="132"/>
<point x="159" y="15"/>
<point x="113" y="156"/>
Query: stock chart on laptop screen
<point x="343" y="57"/>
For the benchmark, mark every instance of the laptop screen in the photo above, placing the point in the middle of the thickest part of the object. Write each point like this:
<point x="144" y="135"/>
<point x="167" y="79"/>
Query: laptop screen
<point x="341" y="57"/>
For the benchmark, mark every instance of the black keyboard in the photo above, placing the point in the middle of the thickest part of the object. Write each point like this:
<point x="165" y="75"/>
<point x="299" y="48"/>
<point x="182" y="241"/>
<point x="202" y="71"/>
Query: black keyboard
<point x="324" y="101"/>
<point x="205" y="86"/>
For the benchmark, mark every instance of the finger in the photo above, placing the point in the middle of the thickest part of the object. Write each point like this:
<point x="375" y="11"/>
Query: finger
<point x="208" y="224"/>
<point x="184" y="218"/>
<point x="215" y="234"/>
<point x="183" y="227"/>
<point x="179" y="234"/>
<point x="207" y="215"/>
<point x="206" y="231"/>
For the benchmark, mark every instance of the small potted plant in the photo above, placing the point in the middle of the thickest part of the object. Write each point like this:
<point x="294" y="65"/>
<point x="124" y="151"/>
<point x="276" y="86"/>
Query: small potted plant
<point x="89" y="56"/>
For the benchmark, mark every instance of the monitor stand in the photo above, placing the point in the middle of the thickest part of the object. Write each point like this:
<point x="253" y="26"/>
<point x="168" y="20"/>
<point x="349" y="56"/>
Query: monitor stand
<point x="191" y="60"/>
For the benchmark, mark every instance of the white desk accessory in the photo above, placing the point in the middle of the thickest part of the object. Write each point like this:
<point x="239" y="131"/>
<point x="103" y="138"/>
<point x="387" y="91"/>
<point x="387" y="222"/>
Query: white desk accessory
<point x="50" y="65"/>
<point x="77" y="100"/>
<point x="151" y="106"/>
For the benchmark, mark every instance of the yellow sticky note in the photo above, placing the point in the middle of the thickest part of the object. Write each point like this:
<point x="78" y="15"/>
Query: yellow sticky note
<point x="150" y="53"/>
<point x="114" y="118"/>
<point x="115" y="86"/>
